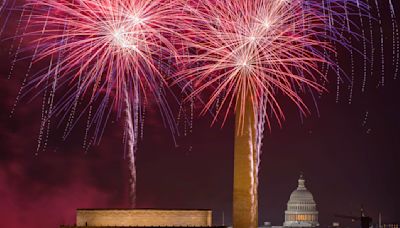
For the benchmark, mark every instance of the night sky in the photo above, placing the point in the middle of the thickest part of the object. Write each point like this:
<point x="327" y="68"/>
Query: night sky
<point x="348" y="160"/>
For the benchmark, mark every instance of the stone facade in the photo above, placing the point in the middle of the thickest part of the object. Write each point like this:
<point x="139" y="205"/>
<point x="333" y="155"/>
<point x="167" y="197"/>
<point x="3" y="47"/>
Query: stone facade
<point x="143" y="217"/>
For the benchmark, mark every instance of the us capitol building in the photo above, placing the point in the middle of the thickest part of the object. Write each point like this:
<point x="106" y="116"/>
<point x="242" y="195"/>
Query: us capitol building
<point x="301" y="208"/>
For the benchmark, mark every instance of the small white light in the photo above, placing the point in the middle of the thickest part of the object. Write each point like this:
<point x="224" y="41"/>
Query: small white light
<point x="266" y="24"/>
<point x="244" y="63"/>
<point x="135" y="20"/>
<point x="120" y="39"/>
<point x="283" y="1"/>
<point x="252" y="38"/>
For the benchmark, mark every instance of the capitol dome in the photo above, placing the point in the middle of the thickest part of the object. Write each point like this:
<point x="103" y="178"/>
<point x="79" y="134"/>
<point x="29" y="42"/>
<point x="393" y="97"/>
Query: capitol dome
<point x="301" y="208"/>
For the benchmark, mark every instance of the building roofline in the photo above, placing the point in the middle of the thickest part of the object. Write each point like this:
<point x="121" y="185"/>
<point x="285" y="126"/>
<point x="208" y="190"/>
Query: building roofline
<point x="143" y="226"/>
<point x="139" y="209"/>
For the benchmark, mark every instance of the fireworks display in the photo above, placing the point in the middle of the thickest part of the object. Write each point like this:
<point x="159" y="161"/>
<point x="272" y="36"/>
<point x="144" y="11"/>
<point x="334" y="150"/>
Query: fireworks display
<point x="282" y="47"/>
<point x="113" y="52"/>
<point x="116" y="54"/>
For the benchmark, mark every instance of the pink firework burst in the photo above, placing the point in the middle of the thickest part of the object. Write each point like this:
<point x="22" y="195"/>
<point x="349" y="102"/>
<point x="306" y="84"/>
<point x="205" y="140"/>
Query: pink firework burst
<point x="116" y="52"/>
<point x="255" y="49"/>
<point x="105" y="45"/>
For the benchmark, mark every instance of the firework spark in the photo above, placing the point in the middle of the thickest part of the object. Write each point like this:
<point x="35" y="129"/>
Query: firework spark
<point x="111" y="51"/>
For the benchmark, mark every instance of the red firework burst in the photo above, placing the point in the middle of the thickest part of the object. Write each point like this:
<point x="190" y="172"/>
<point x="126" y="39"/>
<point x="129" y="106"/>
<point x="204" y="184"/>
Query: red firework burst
<point x="254" y="49"/>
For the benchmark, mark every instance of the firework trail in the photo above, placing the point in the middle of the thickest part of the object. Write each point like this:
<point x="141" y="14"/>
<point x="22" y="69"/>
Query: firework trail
<point x="382" y="43"/>
<point x="110" y="52"/>
<point x="2" y="4"/>
<point x="131" y="122"/>
<point x="396" y="40"/>
<point x="5" y="13"/>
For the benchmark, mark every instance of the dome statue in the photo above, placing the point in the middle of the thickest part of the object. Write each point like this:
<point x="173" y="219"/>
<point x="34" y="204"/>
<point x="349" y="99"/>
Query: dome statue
<point x="301" y="208"/>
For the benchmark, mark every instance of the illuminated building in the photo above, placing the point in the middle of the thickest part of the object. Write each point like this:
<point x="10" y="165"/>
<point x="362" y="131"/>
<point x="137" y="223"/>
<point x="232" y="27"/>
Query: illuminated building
<point x="301" y="208"/>
<point x="97" y="218"/>
<point x="390" y="225"/>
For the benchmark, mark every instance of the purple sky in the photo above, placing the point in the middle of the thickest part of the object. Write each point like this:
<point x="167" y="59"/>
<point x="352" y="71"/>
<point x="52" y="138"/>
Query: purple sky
<point x="346" y="163"/>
